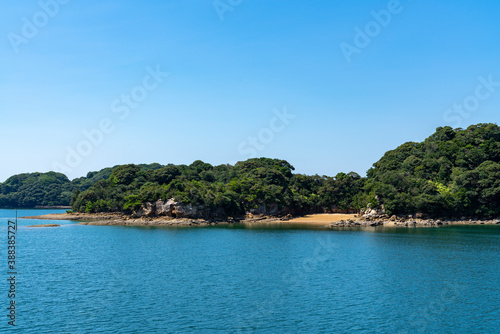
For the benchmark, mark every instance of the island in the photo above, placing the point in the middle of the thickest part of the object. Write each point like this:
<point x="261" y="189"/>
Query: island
<point x="453" y="176"/>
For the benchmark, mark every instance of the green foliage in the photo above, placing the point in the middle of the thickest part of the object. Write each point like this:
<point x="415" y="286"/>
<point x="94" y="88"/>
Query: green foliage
<point x="164" y="175"/>
<point x="451" y="173"/>
<point x="132" y="203"/>
<point x="35" y="189"/>
<point x="222" y="190"/>
<point x="454" y="172"/>
<point x="124" y="174"/>
<point x="83" y="183"/>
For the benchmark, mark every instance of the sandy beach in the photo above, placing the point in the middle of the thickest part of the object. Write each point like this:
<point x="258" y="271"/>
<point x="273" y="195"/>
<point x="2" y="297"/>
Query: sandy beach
<point x="322" y="218"/>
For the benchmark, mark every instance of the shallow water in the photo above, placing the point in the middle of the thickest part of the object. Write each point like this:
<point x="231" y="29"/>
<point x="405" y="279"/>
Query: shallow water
<point x="111" y="279"/>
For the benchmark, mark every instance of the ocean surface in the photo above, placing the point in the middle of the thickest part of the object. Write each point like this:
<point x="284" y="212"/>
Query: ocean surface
<point x="108" y="279"/>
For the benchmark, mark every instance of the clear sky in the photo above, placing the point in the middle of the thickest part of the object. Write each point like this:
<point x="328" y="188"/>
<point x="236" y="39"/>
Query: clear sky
<point x="327" y="85"/>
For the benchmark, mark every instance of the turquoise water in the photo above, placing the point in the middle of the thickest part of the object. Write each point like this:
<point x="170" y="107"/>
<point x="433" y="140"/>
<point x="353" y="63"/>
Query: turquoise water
<point x="91" y="279"/>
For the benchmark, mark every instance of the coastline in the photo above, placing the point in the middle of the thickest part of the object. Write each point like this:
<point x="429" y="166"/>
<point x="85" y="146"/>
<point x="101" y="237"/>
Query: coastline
<point x="407" y="223"/>
<point x="331" y="221"/>
<point x="119" y="219"/>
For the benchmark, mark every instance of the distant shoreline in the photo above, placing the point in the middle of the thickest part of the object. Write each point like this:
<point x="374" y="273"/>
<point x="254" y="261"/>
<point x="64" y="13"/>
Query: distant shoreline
<point x="119" y="219"/>
<point x="53" y="207"/>
<point x="407" y="223"/>
<point x="332" y="221"/>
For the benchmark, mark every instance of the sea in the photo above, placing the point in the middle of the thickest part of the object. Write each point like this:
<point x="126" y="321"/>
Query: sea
<point x="246" y="279"/>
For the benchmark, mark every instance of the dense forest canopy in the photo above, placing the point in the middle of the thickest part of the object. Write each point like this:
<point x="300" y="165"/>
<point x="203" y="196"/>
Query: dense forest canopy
<point x="35" y="189"/>
<point x="31" y="190"/>
<point x="451" y="173"/>
<point x="225" y="189"/>
<point x="454" y="172"/>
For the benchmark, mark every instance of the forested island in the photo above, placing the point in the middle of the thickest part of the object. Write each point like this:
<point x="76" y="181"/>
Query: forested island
<point x="452" y="173"/>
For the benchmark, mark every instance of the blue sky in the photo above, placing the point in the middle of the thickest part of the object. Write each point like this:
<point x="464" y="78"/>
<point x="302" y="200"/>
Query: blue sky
<point x="232" y="67"/>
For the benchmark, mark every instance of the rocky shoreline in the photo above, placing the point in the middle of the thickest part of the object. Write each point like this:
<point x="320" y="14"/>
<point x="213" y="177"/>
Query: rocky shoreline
<point x="373" y="217"/>
<point x="119" y="219"/>
<point x="409" y="222"/>
<point x="78" y="216"/>
<point x="45" y="225"/>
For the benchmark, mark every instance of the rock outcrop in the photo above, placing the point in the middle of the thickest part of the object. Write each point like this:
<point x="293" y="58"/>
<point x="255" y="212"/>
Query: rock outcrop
<point x="373" y="213"/>
<point x="265" y="210"/>
<point x="173" y="209"/>
<point x="409" y="221"/>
